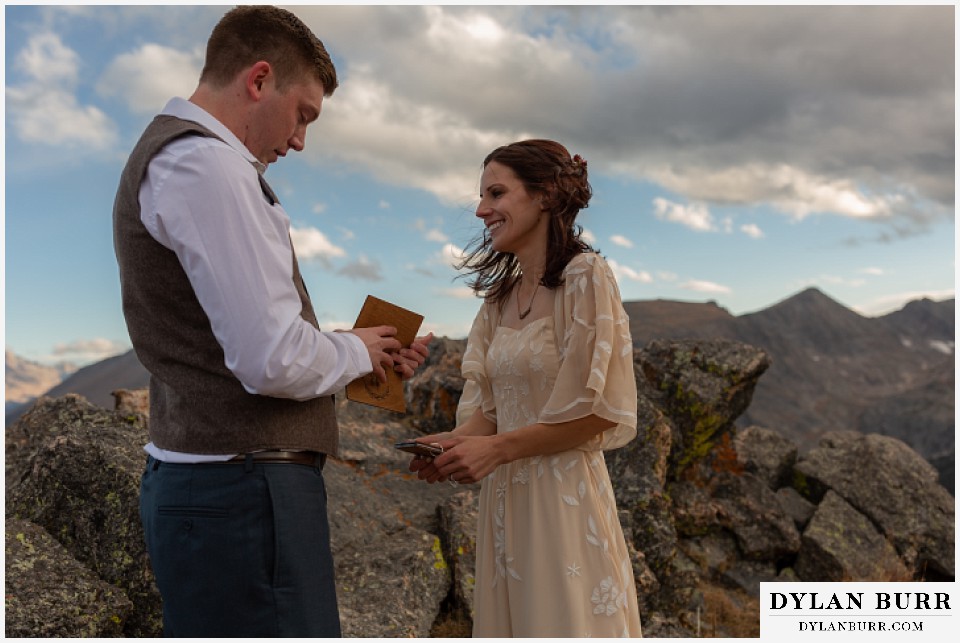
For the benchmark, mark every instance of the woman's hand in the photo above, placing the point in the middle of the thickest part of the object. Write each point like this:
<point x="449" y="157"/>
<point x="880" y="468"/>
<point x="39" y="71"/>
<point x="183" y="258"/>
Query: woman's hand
<point x="465" y="459"/>
<point x="475" y="449"/>
<point x="421" y="462"/>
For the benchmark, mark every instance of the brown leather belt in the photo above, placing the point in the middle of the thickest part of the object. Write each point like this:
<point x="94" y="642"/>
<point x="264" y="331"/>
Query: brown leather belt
<point x="309" y="458"/>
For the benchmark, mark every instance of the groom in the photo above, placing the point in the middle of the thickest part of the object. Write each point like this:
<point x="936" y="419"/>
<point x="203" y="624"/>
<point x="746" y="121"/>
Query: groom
<point x="233" y="501"/>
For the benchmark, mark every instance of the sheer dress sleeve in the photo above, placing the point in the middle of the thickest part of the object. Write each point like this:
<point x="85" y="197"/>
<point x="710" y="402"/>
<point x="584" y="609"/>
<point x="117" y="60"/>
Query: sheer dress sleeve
<point x="596" y="354"/>
<point x="476" y="388"/>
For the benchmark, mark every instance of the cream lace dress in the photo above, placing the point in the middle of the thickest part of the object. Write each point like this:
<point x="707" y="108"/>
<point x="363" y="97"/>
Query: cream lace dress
<point x="551" y="557"/>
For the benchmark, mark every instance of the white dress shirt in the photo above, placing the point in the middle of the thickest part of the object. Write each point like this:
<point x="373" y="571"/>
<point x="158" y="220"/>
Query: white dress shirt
<point x="201" y="198"/>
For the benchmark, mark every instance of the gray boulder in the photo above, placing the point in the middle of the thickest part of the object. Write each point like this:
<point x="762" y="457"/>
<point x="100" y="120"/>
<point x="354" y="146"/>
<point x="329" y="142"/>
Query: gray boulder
<point x="394" y="589"/>
<point x="49" y="594"/>
<point x="434" y="391"/>
<point x="840" y="544"/>
<point x="750" y="511"/>
<point x="702" y="386"/>
<point x="796" y="506"/>
<point x="766" y="454"/>
<point x="458" y="529"/>
<point x="78" y="476"/>
<point x="389" y="548"/>
<point x="894" y="487"/>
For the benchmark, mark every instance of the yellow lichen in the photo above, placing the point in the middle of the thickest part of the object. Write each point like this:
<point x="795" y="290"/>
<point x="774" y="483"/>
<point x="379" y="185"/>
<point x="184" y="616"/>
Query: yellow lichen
<point x="438" y="562"/>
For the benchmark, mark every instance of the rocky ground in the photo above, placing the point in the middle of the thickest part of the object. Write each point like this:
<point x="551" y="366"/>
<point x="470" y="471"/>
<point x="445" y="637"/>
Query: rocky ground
<point x="709" y="511"/>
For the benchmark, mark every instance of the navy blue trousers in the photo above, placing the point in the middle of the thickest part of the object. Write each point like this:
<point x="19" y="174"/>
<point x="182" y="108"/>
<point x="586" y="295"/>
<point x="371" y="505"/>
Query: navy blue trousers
<point x="240" y="550"/>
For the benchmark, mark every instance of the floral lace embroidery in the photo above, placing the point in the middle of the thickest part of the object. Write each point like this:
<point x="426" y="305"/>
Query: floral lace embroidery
<point x="522" y="476"/>
<point x="607" y="597"/>
<point x="514" y="375"/>
<point x="500" y="539"/>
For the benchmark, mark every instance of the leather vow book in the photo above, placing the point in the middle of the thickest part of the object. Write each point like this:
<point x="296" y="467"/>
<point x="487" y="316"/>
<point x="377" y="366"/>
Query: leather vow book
<point x="369" y="389"/>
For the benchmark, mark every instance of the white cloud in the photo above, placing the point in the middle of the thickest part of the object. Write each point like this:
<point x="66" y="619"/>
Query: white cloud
<point x="694" y="216"/>
<point x="420" y="270"/>
<point x="384" y="205"/>
<point x="667" y="276"/>
<point x="451" y="330"/>
<point x="802" y="142"/>
<point x="792" y="190"/>
<point x="89" y="350"/>
<point x="47" y="59"/>
<point x="895" y="301"/>
<point x="462" y="292"/>
<point x="752" y="230"/>
<point x="589" y="237"/>
<point x="873" y="271"/>
<point x="705" y="286"/>
<point x="329" y="323"/>
<point x="363" y="269"/>
<point x="310" y="243"/>
<point x="621" y="241"/>
<point x="436" y="235"/>
<point x="625" y="272"/>
<point x="319" y="208"/>
<point x="147" y="77"/>
<point x="430" y="148"/>
<point x="44" y="110"/>
<point x="451" y="255"/>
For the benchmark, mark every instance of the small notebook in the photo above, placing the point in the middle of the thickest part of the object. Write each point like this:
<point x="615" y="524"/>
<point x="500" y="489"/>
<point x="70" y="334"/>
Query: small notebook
<point x="369" y="389"/>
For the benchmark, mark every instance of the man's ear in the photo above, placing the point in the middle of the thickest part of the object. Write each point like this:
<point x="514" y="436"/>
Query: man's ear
<point x="256" y="76"/>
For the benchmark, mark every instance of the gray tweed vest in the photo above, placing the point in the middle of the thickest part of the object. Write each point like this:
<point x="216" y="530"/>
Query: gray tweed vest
<point x="196" y="403"/>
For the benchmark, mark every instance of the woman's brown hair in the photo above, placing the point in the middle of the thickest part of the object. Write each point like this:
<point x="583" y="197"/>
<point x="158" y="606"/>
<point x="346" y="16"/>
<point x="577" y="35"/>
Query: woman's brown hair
<point x="546" y="170"/>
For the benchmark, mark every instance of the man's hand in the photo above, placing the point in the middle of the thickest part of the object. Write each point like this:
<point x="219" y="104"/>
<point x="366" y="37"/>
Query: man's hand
<point x="410" y="359"/>
<point x="382" y="346"/>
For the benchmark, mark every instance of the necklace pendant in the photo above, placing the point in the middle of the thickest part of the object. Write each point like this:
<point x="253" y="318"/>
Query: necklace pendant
<point x="523" y="314"/>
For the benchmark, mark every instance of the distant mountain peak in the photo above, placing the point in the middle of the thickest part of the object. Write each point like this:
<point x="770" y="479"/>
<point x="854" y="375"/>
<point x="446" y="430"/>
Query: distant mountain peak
<point x="811" y="302"/>
<point x="813" y="294"/>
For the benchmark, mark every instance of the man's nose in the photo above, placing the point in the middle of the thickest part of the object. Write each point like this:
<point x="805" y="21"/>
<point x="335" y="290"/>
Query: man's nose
<point x="299" y="139"/>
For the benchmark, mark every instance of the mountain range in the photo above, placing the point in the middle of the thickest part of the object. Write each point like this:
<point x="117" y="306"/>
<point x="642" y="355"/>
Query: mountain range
<point x="832" y="369"/>
<point x="25" y="379"/>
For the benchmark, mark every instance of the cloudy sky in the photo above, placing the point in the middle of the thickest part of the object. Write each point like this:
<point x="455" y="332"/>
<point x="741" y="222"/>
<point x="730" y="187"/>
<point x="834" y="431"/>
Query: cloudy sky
<point x="737" y="154"/>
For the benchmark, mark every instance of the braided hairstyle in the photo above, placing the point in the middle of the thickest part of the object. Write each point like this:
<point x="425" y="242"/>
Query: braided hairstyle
<point x="547" y="170"/>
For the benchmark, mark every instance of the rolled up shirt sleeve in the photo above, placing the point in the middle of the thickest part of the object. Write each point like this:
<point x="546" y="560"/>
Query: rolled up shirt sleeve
<point x="202" y="199"/>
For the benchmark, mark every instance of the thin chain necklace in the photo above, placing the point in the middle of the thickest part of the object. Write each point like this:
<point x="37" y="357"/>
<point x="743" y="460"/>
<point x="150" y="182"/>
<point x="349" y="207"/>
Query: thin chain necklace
<point x="523" y="314"/>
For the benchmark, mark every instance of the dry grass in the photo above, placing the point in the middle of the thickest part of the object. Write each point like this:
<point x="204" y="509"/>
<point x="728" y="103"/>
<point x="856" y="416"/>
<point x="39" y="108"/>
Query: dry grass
<point x="452" y="626"/>
<point x="728" y="613"/>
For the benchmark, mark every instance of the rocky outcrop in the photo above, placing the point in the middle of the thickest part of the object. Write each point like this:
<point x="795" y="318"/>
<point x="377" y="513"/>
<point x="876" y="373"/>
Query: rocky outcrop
<point x="902" y="497"/>
<point x="708" y="510"/>
<point x="841" y="544"/>
<point x="76" y="473"/>
<point x="50" y="594"/>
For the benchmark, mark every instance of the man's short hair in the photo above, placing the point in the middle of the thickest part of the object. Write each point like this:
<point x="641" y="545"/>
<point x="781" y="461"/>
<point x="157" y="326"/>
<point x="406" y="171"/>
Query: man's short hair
<point x="249" y="34"/>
